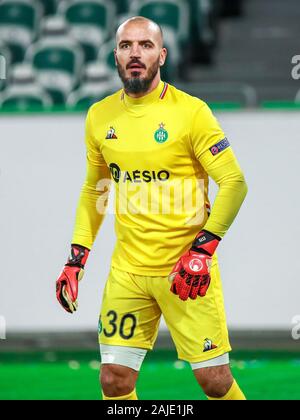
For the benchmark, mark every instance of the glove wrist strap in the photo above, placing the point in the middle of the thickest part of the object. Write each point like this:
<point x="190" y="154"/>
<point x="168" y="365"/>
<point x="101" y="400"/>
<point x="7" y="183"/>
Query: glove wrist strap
<point x="78" y="257"/>
<point x="205" y="243"/>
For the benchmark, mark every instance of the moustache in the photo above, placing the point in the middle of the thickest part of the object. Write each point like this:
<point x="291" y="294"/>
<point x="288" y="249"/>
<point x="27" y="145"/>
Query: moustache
<point x="135" y="62"/>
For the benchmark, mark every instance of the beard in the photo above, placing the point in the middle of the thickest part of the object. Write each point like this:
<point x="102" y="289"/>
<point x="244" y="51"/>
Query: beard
<point x="135" y="84"/>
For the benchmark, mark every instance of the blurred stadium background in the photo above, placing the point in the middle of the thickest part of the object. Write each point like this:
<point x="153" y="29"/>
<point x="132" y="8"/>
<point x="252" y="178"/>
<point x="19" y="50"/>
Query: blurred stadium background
<point x="55" y="61"/>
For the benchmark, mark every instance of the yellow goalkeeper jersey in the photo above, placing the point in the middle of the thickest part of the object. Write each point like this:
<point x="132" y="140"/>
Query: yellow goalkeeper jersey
<point x="159" y="151"/>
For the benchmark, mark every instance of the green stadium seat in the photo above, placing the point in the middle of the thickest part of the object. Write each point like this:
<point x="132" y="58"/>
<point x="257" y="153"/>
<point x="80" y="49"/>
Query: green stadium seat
<point x="96" y="72"/>
<point x="58" y="67"/>
<point x="97" y="83"/>
<point x="122" y="6"/>
<point x="173" y="14"/>
<point x="57" y="58"/>
<point x="91" y="22"/>
<point x="169" y="72"/>
<point x="204" y="16"/>
<point x="106" y="55"/>
<point x="49" y="6"/>
<point x="22" y="102"/>
<point x="86" y="96"/>
<point x="23" y="92"/>
<point x="5" y="61"/>
<point x="19" y="21"/>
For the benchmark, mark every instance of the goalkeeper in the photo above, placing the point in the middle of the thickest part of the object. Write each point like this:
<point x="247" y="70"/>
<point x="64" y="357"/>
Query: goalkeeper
<point x="143" y="138"/>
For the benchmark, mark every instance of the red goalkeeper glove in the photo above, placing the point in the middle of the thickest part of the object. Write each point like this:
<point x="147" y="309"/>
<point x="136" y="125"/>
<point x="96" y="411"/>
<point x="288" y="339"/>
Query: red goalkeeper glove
<point x="191" y="275"/>
<point x="67" y="283"/>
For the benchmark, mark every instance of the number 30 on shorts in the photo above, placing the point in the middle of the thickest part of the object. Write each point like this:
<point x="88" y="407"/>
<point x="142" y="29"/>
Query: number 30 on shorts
<point x="126" y="328"/>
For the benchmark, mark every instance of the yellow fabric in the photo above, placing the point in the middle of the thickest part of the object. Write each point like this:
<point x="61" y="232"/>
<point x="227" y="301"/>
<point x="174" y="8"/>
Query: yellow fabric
<point x="132" y="307"/>
<point x="131" y="396"/>
<point x="225" y="171"/>
<point x="234" y="394"/>
<point x="88" y="219"/>
<point x="161" y="142"/>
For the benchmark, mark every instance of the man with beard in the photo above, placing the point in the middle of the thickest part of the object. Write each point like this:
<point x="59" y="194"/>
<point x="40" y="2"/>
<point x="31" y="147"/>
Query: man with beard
<point x="149" y="138"/>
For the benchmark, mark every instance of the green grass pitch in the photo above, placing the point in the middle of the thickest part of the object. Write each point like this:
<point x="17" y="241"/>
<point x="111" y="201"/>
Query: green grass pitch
<point x="74" y="376"/>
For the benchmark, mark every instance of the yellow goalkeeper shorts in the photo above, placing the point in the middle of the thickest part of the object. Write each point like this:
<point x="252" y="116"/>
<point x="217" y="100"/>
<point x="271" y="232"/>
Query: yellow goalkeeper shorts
<point x="133" y="304"/>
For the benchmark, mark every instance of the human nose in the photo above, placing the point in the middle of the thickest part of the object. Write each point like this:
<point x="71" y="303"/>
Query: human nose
<point x="135" y="51"/>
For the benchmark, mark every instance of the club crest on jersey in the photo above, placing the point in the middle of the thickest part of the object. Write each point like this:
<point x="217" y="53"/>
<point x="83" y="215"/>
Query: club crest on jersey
<point x="208" y="345"/>
<point x="111" y="134"/>
<point x="161" y="135"/>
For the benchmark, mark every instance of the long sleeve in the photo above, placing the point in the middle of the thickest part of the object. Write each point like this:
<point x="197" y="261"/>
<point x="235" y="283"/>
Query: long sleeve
<point x="213" y="151"/>
<point x="226" y="172"/>
<point x="94" y="193"/>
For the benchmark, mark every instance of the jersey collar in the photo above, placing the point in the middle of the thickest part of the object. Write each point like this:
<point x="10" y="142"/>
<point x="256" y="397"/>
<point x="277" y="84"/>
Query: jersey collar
<point x="134" y="103"/>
